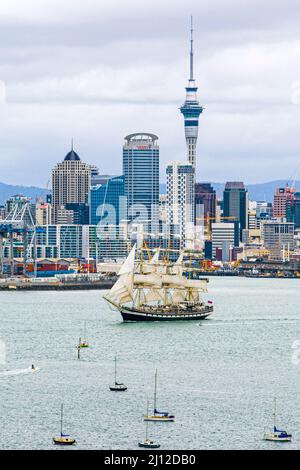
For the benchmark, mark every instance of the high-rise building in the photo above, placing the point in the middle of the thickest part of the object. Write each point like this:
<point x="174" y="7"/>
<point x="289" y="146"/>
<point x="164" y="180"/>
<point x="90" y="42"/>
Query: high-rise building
<point x="205" y="202"/>
<point x="282" y="197"/>
<point x="70" y="183"/>
<point x="107" y="201"/>
<point x="141" y="177"/>
<point x="191" y="110"/>
<point x="180" y="200"/>
<point x="235" y="203"/>
<point x="293" y="210"/>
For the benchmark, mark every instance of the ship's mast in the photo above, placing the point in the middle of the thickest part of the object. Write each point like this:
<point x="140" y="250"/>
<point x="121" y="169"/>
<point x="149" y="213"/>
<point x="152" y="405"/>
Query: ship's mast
<point x="141" y="271"/>
<point x="61" y="419"/>
<point x="147" y="422"/>
<point x="155" y="391"/>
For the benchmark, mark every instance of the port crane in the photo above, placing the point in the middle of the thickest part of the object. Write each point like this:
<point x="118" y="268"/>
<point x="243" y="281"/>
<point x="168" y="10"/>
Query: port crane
<point x="18" y="222"/>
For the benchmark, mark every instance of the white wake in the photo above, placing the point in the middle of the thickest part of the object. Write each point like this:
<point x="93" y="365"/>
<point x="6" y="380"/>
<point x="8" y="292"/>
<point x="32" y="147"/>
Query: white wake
<point x="8" y="373"/>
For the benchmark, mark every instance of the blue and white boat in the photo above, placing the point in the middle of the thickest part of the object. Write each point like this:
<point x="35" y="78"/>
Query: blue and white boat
<point x="158" y="416"/>
<point x="277" y="435"/>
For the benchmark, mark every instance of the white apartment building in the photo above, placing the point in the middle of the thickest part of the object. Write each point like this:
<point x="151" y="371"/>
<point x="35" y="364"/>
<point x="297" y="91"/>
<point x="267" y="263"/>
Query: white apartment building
<point x="180" y="200"/>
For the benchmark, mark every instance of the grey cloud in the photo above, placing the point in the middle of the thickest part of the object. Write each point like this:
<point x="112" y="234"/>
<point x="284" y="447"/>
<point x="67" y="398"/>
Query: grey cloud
<point x="99" y="70"/>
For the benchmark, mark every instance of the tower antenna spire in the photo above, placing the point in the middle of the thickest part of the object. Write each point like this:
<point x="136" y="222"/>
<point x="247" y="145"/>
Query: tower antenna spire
<point x="192" y="52"/>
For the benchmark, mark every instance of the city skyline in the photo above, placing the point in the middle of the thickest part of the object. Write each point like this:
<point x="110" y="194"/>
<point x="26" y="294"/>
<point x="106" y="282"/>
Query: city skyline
<point x="58" y="65"/>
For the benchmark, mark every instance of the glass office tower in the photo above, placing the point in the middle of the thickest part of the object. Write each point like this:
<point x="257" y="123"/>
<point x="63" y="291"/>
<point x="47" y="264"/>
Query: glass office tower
<point x="106" y="200"/>
<point x="141" y="177"/>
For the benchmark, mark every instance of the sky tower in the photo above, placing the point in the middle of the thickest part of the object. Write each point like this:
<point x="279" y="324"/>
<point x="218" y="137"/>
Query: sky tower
<point x="191" y="110"/>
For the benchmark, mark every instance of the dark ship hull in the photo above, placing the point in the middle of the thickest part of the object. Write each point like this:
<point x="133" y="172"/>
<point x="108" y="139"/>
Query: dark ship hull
<point x="135" y="314"/>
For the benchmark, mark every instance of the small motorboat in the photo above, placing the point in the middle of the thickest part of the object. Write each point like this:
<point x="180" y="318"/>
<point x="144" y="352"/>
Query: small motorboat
<point x="117" y="387"/>
<point x="63" y="439"/>
<point x="277" y="435"/>
<point x="158" y="416"/>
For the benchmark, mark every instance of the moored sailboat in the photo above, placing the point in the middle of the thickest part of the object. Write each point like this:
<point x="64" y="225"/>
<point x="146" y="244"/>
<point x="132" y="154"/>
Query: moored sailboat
<point x="63" y="439"/>
<point x="153" y="291"/>
<point x="117" y="387"/>
<point x="158" y="416"/>
<point x="84" y="342"/>
<point x="148" y="443"/>
<point x="277" y="435"/>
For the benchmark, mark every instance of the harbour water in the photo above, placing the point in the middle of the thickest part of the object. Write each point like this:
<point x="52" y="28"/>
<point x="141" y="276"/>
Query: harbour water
<point x="218" y="377"/>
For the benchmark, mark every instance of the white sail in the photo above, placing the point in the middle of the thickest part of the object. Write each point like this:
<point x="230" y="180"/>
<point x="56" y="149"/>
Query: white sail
<point x="178" y="296"/>
<point x="145" y="280"/>
<point x="199" y="284"/>
<point x="170" y="280"/>
<point x="152" y="265"/>
<point x="122" y="291"/>
<point x="154" y="295"/>
<point x="178" y="266"/>
<point x="128" y="266"/>
<point x="193" y="295"/>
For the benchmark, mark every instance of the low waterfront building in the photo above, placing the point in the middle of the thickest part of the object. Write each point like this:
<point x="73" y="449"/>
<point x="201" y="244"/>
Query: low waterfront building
<point x="66" y="241"/>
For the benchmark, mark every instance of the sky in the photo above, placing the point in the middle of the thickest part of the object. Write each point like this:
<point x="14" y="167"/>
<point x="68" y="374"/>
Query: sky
<point x="98" y="70"/>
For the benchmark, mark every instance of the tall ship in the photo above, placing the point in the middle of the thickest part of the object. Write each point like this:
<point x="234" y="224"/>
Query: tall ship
<point x="155" y="291"/>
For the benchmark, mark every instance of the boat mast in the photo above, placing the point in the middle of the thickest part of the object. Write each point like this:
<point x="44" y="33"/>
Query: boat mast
<point x="61" y="419"/>
<point x="189" y="289"/>
<point x="147" y="423"/>
<point x="155" y="391"/>
<point x="79" y="348"/>
<point x="115" y="370"/>
<point x="274" y="414"/>
<point x="141" y="271"/>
